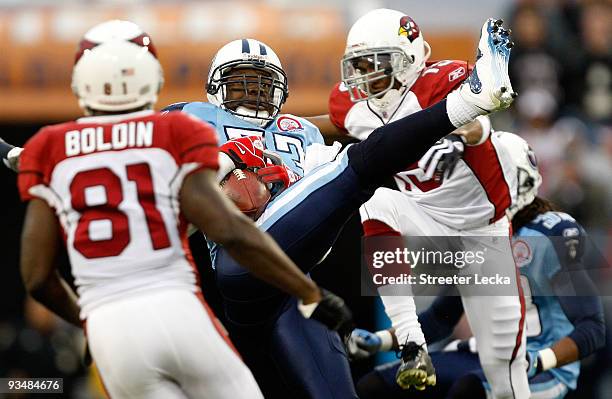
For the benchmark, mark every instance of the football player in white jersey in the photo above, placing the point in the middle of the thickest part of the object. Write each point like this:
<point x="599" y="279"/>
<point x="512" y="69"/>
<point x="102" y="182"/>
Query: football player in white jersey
<point x="460" y="187"/>
<point x="120" y="186"/>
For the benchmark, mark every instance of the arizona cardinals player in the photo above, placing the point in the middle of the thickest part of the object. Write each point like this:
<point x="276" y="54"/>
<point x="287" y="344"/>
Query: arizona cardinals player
<point x="385" y="78"/>
<point x="120" y="185"/>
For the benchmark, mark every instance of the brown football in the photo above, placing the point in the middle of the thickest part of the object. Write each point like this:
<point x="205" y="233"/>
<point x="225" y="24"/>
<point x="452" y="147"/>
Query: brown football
<point x="247" y="191"/>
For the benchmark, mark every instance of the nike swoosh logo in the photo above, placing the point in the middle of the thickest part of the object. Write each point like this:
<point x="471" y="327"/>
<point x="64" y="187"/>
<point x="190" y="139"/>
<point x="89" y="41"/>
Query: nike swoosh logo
<point x="239" y="146"/>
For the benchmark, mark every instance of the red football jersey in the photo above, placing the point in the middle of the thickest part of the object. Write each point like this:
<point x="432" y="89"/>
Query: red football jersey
<point x="114" y="183"/>
<point x="478" y="191"/>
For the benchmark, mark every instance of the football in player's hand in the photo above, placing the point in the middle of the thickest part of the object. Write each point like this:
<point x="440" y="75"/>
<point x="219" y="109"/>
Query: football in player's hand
<point x="247" y="191"/>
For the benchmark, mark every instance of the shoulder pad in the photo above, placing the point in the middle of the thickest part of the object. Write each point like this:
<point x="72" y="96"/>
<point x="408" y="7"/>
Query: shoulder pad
<point x="439" y="79"/>
<point x="339" y="104"/>
<point x="567" y="236"/>
<point x="173" y="107"/>
<point x="556" y="224"/>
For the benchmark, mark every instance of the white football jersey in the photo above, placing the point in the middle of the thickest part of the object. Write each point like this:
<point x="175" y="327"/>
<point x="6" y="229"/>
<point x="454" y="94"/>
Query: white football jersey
<point x="114" y="183"/>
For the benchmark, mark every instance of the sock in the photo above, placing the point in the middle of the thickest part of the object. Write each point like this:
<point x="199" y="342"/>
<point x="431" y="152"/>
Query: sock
<point x="460" y="112"/>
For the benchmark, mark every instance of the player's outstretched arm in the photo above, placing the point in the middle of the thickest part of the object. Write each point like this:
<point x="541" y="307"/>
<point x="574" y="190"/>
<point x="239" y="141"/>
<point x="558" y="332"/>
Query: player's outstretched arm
<point x="207" y="207"/>
<point x="39" y="247"/>
<point x="585" y="312"/>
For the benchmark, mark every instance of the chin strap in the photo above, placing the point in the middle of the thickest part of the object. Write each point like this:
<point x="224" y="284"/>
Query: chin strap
<point x="249" y="116"/>
<point x="388" y="103"/>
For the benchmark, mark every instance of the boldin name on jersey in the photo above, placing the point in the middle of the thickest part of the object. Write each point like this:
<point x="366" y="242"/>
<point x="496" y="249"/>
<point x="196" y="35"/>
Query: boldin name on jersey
<point x="122" y="135"/>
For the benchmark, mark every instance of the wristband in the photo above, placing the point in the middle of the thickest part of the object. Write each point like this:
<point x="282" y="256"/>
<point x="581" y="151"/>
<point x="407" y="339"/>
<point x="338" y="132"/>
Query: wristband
<point x="547" y="359"/>
<point x="485" y="122"/>
<point x="307" y="310"/>
<point x="386" y="340"/>
<point x="226" y="165"/>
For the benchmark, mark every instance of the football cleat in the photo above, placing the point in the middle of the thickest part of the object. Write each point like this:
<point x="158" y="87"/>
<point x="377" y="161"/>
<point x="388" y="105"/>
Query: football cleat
<point x="488" y="87"/>
<point x="416" y="369"/>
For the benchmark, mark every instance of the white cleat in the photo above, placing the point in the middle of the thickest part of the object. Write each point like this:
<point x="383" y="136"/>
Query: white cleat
<point x="488" y="87"/>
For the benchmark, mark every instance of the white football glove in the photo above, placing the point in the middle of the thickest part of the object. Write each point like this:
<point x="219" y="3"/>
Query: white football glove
<point x="12" y="159"/>
<point x="362" y="344"/>
<point x="440" y="160"/>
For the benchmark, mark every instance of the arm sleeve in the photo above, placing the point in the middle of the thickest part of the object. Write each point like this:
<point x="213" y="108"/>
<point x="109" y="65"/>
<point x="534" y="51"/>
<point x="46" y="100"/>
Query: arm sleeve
<point x="585" y="312"/>
<point x="575" y="290"/>
<point x="438" y="80"/>
<point x="440" y="319"/>
<point x="339" y="105"/>
<point x="312" y="133"/>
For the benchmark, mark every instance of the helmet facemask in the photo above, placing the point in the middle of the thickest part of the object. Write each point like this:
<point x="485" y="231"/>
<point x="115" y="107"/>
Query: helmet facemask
<point x="252" y="90"/>
<point x="528" y="180"/>
<point x="371" y="73"/>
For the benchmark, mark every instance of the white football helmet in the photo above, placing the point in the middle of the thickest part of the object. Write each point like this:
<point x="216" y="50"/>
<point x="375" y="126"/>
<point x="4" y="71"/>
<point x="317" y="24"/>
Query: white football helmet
<point x="111" y="30"/>
<point x="383" y="45"/>
<point x="527" y="174"/>
<point x="257" y="95"/>
<point x="116" y="75"/>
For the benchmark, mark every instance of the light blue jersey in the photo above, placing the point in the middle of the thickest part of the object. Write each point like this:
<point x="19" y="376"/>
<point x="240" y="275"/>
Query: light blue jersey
<point x="543" y="248"/>
<point x="286" y="135"/>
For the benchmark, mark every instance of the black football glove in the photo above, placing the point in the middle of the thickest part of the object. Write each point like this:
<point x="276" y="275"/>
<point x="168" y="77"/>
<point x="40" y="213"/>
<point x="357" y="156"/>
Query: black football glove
<point x="332" y="312"/>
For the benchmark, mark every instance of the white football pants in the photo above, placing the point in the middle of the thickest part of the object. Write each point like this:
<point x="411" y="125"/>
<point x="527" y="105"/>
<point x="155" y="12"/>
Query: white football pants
<point x="166" y="344"/>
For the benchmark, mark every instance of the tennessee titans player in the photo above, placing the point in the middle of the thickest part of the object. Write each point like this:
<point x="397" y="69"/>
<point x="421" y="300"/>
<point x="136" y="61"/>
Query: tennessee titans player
<point x="564" y="322"/>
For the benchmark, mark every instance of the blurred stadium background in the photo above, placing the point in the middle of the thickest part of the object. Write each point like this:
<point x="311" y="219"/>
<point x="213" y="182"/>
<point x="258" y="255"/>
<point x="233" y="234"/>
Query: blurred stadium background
<point x="561" y="66"/>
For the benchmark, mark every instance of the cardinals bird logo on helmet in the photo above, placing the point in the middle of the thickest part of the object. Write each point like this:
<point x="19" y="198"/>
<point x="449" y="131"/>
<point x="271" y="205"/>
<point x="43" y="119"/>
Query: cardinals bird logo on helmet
<point x="408" y="28"/>
<point x="114" y="30"/>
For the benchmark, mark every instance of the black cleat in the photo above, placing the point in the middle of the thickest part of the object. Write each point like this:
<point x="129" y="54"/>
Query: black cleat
<point x="416" y="369"/>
